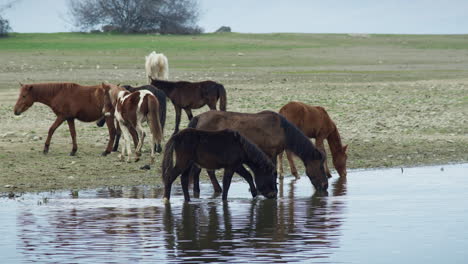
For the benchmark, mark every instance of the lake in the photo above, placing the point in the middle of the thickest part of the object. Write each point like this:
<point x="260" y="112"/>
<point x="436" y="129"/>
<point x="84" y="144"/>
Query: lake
<point x="409" y="215"/>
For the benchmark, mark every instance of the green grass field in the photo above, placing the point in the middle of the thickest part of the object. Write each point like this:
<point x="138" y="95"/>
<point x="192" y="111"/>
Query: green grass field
<point x="398" y="100"/>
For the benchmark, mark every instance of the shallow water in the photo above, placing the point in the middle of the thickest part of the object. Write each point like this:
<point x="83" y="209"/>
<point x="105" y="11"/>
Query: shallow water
<point x="419" y="215"/>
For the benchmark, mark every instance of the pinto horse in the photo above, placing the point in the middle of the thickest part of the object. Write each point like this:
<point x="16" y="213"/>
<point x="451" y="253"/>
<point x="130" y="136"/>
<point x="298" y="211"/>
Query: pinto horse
<point x="215" y="150"/>
<point x="160" y="95"/>
<point x="69" y="101"/>
<point x="130" y="110"/>
<point x="192" y="95"/>
<point x="272" y="133"/>
<point x="315" y="122"/>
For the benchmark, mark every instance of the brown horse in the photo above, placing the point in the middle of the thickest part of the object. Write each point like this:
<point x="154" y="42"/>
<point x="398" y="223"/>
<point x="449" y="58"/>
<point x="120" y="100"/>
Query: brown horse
<point x="130" y="110"/>
<point x="315" y="122"/>
<point x="215" y="150"/>
<point x="68" y="101"/>
<point x="272" y="133"/>
<point x="192" y="95"/>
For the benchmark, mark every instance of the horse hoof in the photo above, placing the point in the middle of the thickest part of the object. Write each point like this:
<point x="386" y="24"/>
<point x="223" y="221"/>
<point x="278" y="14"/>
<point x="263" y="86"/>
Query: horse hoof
<point x="145" y="167"/>
<point x="45" y="152"/>
<point x="73" y="153"/>
<point x="105" y="153"/>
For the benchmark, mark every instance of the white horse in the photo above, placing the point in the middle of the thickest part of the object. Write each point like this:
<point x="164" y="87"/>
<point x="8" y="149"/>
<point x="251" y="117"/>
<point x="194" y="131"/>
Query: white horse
<point x="157" y="66"/>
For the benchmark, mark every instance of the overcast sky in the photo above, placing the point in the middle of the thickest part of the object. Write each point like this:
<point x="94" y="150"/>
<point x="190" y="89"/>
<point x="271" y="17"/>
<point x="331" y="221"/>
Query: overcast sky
<point x="263" y="16"/>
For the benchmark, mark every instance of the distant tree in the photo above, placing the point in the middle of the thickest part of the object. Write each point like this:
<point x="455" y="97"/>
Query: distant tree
<point x="136" y="16"/>
<point x="4" y="23"/>
<point x="4" y="27"/>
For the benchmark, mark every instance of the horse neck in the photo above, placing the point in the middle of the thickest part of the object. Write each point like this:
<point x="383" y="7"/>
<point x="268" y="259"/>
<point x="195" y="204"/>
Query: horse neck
<point x="296" y="142"/>
<point x="45" y="93"/>
<point x="334" y="141"/>
<point x="166" y="86"/>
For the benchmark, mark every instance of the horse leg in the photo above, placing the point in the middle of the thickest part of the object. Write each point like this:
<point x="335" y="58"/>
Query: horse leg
<point x="212" y="104"/>
<point x="112" y="131"/>
<point x="118" y="133"/>
<point x="178" y="112"/>
<point x="185" y="183"/>
<point x="141" y="138"/>
<point x="126" y="135"/>
<point x="227" y="177"/>
<point x="280" y="165"/>
<point x="320" y="145"/>
<point x="289" y="155"/>
<point x="169" y="179"/>
<point x="189" y="113"/>
<point x="134" y="135"/>
<point x="248" y="177"/>
<point x="71" y="126"/>
<point x="217" y="188"/>
<point x="195" y="174"/>
<point x="52" y="128"/>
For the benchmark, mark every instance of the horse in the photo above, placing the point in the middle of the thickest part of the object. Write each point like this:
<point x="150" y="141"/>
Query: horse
<point x="69" y="101"/>
<point x="192" y="95"/>
<point x="315" y="122"/>
<point x="130" y="110"/>
<point x="215" y="150"/>
<point x="272" y="133"/>
<point x="156" y="66"/>
<point x="160" y="95"/>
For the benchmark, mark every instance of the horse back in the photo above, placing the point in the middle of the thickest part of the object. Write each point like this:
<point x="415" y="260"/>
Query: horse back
<point x="84" y="103"/>
<point x="313" y="121"/>
<point x="263" y="129"/>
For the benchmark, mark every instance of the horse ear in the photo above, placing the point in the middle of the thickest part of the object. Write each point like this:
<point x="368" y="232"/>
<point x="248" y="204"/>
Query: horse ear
<point x="118" y="84"/>
<point x="345" y="148"/>
<point x="20" y="84"/>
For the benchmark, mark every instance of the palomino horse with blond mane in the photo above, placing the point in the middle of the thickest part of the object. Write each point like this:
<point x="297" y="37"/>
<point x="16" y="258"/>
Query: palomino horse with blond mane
<point x="130" y="111"/>
<point x="69" y="101"/>
<point x="315" y="122"/>
<point x="156" y="66"/>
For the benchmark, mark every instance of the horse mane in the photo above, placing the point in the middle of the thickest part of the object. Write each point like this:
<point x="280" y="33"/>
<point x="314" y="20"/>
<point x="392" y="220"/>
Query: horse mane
<point x="51" y="89"/>
<point x="255" y="155"/>
<point x="298" y="143"/>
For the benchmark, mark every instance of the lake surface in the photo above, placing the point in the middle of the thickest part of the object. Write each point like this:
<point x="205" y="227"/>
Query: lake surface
<point x="418" y="215"/>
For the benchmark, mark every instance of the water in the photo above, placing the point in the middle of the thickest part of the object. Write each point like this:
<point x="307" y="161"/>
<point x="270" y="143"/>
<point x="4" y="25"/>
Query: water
<point x="419" y="215"/>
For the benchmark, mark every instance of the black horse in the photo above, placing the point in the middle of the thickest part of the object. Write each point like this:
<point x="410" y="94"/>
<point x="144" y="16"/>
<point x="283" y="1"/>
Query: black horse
<point x="160" y="95"/>
<point x="215" y="150"/>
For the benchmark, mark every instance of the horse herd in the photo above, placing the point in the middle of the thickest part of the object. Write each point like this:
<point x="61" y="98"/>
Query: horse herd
<point x="213" y="140"/>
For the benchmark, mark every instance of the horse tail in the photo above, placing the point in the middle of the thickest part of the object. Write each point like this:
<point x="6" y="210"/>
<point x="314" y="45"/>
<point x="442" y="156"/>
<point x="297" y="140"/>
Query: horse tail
<point x="163" y="72"/>
<point x="153" y="119"/>
<point x="161" y="96"/>
<point x="194" y="122"/>
<point x="222" y="97"/>
<point x="168" y="163"/>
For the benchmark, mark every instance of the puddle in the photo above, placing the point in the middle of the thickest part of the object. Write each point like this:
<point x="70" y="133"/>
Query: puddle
<point x="419" y="215"/>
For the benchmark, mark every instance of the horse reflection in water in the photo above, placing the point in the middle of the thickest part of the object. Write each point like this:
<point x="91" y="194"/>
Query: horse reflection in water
<point x="291" y="228"/>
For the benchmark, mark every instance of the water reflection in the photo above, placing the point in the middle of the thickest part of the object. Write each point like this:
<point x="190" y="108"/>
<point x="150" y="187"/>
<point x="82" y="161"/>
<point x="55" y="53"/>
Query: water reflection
<point x="293" y="227"/>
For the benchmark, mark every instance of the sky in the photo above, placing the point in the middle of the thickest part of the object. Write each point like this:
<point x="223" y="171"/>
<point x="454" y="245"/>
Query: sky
<point x="265" y="16"/>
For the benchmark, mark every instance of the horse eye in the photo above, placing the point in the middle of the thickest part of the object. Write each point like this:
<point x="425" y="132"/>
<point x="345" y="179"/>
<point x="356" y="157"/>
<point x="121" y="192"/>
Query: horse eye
<point x="24" y="96"/>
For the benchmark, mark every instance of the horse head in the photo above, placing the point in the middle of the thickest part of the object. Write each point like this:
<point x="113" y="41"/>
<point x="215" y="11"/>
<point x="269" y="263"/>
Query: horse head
<point x="340" y="161"/>
<point x="107" y="106"/>
<point x="315" y="170"/>
<point x="265" y="180"/>
<point x="25" y="99"/>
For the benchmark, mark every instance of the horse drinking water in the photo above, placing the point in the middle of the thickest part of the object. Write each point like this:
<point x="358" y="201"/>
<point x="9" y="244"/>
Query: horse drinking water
<point x="272" y="133"/>
<point x="215" y="150"/>
<point x="315" y="122"/>
<point x="69" y="101"/>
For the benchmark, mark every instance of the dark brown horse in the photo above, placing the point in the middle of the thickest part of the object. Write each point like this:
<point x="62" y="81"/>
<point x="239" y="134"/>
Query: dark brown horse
<point x="215" y="150"/>
<point x="192" y="95"/>
<point x="272" y="133"/>
<point x="69" y="101"/>
<point x="315" y="122"/>
<point x="160" y="95"/>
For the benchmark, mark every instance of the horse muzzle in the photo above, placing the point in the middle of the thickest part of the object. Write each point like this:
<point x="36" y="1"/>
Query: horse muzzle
<point x="17" y="112"/>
